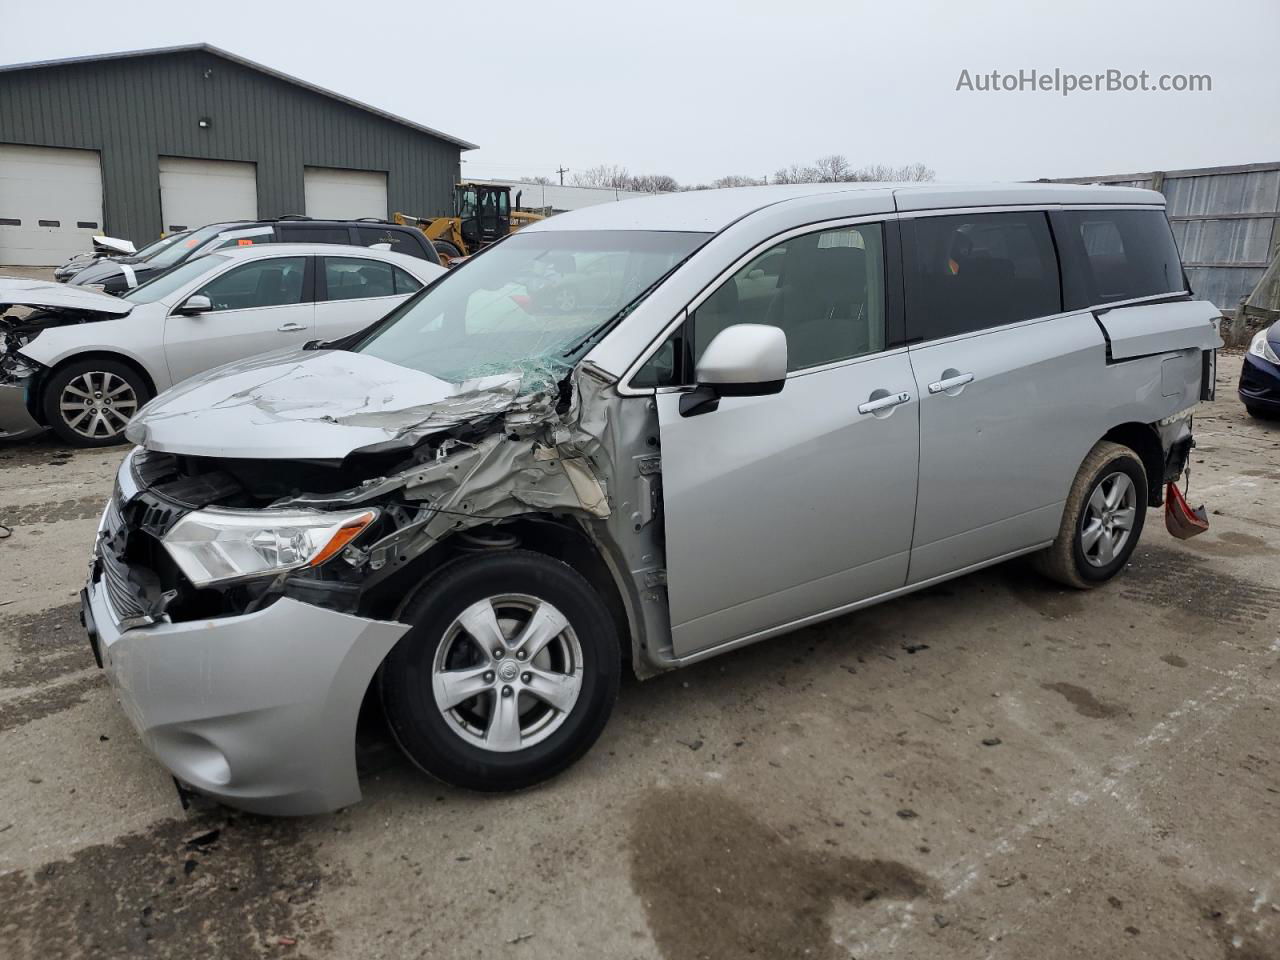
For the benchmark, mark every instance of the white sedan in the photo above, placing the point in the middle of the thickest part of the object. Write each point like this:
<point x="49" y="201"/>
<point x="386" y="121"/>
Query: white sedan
<point x="83" y="363"/>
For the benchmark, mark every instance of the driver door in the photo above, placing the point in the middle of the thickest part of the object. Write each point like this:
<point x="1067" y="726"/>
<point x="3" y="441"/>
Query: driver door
<point x="257" y="307"/>
<point x="788" y="506"/>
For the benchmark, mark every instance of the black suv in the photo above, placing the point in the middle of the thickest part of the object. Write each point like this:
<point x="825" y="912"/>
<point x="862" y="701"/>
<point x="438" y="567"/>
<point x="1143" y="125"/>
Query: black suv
<point x="118" y="276"/>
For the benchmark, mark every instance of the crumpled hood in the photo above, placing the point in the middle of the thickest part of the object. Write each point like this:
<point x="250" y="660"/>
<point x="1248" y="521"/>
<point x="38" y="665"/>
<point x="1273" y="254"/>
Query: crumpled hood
<point x="311" y="404"/>
<point x="17" y="291"/>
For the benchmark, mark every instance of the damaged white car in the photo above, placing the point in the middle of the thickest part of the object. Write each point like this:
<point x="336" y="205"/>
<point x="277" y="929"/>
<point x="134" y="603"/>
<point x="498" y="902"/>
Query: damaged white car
<point x="769" y="406"/>
<point x="83" y="363"/>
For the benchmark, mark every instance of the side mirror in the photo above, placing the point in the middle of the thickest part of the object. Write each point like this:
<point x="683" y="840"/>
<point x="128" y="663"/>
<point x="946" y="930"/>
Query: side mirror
<point x="195" y="304"/>
<point x="744" y="360"/>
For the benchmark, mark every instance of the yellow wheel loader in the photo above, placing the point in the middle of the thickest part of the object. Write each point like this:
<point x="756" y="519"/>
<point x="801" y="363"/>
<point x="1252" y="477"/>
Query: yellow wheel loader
<point x="482" y="213"/>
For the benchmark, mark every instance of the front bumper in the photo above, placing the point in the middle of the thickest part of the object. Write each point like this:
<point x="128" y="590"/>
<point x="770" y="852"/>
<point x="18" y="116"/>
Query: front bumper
<point x="15" y="418"/>
<point x="1260" y="383"/>
<point x="257" y="711"/>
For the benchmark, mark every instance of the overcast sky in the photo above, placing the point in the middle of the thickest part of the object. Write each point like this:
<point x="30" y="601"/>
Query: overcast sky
<point x="698" y="90"/>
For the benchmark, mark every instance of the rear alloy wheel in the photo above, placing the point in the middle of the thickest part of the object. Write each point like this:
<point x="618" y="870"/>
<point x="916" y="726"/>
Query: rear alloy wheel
<point x="1102" y="519"/>
<point x="90" y="402"/>
<point x="508" y="675"/>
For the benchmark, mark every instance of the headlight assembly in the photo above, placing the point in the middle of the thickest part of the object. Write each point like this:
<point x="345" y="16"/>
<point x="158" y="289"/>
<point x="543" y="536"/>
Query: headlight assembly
<point x="1261" y="348"/>
<point x="215" y="546"/>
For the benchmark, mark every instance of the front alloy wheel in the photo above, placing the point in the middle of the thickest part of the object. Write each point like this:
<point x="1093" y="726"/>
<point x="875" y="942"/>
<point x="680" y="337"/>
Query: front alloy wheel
<point x="508" y="674"/>
<point x="89" y="403"/>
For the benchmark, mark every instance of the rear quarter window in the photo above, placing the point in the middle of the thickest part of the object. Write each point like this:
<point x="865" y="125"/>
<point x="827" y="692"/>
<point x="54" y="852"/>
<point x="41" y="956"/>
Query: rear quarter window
<point x="1113" y="255"/>
<point x="308" y="234"/>
<point x="401" y="241"/>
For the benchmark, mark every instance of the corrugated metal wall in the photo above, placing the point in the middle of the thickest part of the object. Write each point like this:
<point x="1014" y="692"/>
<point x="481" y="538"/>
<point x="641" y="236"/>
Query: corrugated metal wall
<point x="1226" y="221"/>
<point x="136" y="109"/>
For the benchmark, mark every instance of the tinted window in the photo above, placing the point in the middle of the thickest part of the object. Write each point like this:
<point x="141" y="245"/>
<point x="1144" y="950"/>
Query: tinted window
<point x="1110" y="255"/>
<point x="354" y="278"/>
<point x="300" y="233"/>
<point x="825" y="290"/>
<point x="401" y="241"/>
<point x="405" y="283"/>
<point x="263" y="283"/>
<point x="974" y="271"/>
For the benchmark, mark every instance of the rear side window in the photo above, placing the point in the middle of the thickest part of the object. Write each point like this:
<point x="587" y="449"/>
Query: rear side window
<point x="307" y="234"/>
<point x="1110" y="255"/>
<point x="401" y="241"/>
<point x="351" y="278"/>
<point x="970" y="272"/>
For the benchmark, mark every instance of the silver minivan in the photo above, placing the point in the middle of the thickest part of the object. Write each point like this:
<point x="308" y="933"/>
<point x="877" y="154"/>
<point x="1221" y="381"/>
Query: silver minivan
<point x="642" y="433"/>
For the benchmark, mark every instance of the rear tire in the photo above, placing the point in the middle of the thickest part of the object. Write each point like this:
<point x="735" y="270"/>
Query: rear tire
<point x="1259" y="413"/>
<point x="504" y="722"/>
<point x="88" y="403"/>
<point x="1102" y="520"/>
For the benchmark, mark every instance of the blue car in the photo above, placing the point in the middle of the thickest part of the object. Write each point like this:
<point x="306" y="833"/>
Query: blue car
<point x="1260" y="378"/>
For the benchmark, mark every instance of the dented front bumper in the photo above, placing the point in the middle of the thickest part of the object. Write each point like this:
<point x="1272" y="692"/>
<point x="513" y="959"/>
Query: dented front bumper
<point x="257" y="711"/>
<point x="15" y="417"/>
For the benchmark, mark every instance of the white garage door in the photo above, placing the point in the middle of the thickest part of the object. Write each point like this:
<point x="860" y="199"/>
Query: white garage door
<point x="196" y="192"/>
<point x="50" y="203"/>
<point x="345" y="194"/>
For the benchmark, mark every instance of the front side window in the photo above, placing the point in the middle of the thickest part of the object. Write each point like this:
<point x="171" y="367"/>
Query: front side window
<point x="1111" y="255"/>
<point x="264" y="283"/>
<point x="970" y="272"/>
<point x="534" y="302"/>
<point x="352" y="278"/>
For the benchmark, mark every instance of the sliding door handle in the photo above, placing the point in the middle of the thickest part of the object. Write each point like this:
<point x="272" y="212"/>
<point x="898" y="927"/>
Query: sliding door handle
<point x="880" y="404"/>
<point x="951" y="383"/>
<point x="291" y="327"/>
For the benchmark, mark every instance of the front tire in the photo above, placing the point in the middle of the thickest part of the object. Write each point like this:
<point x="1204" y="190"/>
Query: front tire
<point x="508" y="675"/>
<point x="88" y="403"/>
<point x="1102" y="520"/>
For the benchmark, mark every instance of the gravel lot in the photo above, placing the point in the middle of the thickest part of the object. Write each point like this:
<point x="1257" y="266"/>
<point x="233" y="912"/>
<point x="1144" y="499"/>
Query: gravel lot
<point x="992" y="768"/>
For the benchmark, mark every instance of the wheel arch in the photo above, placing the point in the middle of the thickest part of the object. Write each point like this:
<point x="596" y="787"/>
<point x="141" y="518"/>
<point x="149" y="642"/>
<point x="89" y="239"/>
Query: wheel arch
<point x="560" y="538"/>
<point x="1143" y="440"/>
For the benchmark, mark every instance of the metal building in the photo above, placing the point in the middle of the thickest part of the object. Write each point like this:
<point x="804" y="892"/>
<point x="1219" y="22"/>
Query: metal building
<point x="1226" y="221"/>
<point x="136" y="144"/>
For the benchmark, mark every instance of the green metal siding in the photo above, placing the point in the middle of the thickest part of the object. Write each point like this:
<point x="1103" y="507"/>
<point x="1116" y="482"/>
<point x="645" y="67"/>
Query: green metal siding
<point x="135" y="110"/>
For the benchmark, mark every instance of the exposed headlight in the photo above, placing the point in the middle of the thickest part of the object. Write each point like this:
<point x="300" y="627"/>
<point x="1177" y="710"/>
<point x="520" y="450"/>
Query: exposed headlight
<point x="1260" y="347"/>
<point x="213" y="546"/>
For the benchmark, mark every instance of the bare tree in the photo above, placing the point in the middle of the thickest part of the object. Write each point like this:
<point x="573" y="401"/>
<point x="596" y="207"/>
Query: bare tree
<point x="912" y="172"/>
<point x="833" y="168"/>
<point x="545" y="181"/>
<point x="796" y="174"/>
<point x="603" y="175"/>
<point x="736" y="180"/>
<point x="653" y="183"/>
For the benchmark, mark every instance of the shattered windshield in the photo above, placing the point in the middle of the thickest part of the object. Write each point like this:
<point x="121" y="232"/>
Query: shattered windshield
<point x="527" y="301"/>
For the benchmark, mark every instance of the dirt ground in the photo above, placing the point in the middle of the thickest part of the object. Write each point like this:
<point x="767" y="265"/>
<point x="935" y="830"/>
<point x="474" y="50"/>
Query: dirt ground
<point x="991" y="768"/>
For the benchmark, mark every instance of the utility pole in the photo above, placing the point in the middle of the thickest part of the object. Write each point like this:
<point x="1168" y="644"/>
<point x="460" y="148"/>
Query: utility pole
<point x="562" y="171"/>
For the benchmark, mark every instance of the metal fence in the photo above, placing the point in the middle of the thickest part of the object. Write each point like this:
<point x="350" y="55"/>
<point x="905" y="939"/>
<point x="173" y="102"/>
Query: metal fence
<point x="1226" y="221"/>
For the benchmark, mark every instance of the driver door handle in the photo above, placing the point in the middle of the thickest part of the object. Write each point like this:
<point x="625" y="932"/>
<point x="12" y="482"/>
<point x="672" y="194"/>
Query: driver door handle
<point x="883" y="403"/>
<point x="290" y="327"/>
<point x="951" y="383"/>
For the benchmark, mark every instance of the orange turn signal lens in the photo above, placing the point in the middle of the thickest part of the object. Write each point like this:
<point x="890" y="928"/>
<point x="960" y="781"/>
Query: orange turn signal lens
<point x="346" y="533"/>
